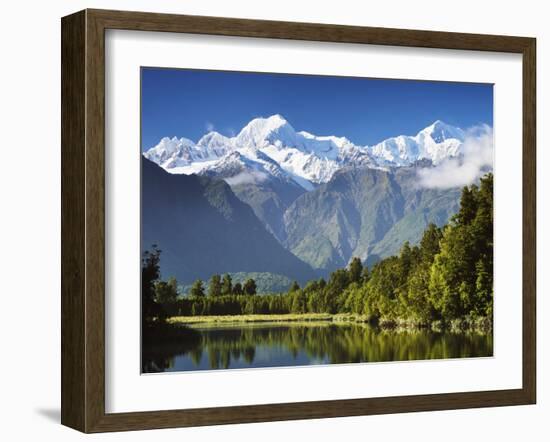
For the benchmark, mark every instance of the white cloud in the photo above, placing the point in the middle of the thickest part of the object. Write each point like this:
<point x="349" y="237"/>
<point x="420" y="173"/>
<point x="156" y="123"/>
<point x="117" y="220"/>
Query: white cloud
<point x="209" y="126"/>
<point x="476" y="158"/>
<point x="247" y="178"/>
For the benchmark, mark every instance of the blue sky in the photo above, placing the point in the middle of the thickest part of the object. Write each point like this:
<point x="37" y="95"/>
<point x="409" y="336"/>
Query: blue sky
<point x="189" y="103"/>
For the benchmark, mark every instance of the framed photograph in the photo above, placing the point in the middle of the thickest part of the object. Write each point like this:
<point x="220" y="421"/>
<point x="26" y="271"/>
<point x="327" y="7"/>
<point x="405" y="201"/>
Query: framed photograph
<point x="266" y="221"/>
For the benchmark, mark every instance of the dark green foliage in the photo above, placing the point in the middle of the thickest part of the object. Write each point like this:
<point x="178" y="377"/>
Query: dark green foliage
<point x="150" y="274"/>
<point x="238" y="289"/>
<point x="227" y="285"/>
<point x="158" y="339"/>
<point x="461" y="279"/>
<point x="447" y="276"/>
<point x="355" y="270"/>
<point x="215" y="287"/>
<point x="468" y="206"/>
<point x="159" y="299"/>
<point x="339" y="280"/>
<point x="166" y="292"/>
<point x="482" y="304"/>
<point x="249" y="287"/>
<point x="265" y="282"/>
<point x="197" y="289"/>
<point x="429" y="244"/>
<point x="335" y="343"/>
<point x="294" y="286"/>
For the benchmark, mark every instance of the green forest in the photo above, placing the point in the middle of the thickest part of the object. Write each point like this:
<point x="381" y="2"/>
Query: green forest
<point x="447" y="276"/>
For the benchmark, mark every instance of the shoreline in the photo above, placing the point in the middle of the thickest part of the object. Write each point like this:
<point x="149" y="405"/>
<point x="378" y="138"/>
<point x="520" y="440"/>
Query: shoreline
<point x="482" y="324"/>
<point x="254" y="318"/>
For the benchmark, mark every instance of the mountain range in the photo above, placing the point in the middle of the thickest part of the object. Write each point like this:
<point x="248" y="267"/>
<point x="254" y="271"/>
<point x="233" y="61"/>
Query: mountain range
<point x="303" y="204"/>
<point x="271" y="147"/>
<point x="202" y="228"/>
<point x="368" y="213"/>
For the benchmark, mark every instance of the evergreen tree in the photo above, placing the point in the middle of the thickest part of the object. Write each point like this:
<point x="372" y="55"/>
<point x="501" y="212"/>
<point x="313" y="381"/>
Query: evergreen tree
<point x="365" y="276"/>
<point x="429" y="244"/>
<point x="461" y="275"/>
<point x="418" y="302"/>
<point x="249" y="287"/>
<point x="355" y="270"/>
<point x="166" y="295"/>
<point x="416" y="297"/>
<point x="227" y="285"/>
<point x="150" y="273"/>
<point x="249" y="306"/>
<point x="298" y="302"/>
<point x="215" y="287"/>
<point x="483" y="304"/>
<point x="448" y="275"/>
<point x="311" y="287"/>
<point x="166" y="292"/>
<point x="339" y="280"/>
<point x="294" y="286"/>
<point x="449" y="289"/>
<point x="238" y="289"/>
<point x="405" y="261"/>
<point x="468" y="206"/>
<point x="197" y="289"/>
<point x="382" y="289"/>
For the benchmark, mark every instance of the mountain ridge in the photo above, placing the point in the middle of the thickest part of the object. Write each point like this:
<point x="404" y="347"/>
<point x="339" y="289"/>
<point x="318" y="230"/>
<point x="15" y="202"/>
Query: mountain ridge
<point x="364" y="213"/>
<point x="323" y="199"/>
<point x="305" y="158"/>
<point x="203" y="228"/>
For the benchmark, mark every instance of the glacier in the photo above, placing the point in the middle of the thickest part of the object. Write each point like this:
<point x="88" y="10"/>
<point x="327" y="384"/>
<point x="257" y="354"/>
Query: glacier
<point x="271" y="147"/>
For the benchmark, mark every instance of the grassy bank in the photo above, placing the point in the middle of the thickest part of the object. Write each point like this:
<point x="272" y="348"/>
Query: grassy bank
<point x="483" y="325"/>
<point x="290" y="317"/>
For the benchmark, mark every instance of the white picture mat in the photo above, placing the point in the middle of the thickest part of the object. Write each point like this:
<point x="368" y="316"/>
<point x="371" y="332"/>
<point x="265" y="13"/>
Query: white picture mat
<point x="127" y="390"/>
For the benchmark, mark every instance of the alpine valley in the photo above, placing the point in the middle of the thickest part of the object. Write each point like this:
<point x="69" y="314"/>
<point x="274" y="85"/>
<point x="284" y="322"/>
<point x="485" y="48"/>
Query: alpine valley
<point x="288" y="205"/>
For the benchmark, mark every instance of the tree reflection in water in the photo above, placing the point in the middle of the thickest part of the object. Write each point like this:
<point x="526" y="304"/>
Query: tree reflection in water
<point x="236" y="346"/>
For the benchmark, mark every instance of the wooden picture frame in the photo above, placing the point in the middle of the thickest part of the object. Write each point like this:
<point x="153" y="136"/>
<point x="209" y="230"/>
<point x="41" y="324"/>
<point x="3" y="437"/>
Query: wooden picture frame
<point x="83" y="220"/>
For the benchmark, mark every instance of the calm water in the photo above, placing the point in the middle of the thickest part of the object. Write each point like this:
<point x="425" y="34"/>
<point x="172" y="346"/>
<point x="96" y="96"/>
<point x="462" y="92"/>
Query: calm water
<point x="290" y="344"/>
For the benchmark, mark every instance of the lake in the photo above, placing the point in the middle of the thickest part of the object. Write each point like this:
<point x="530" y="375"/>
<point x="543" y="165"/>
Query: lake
<point x="253" y="345"/>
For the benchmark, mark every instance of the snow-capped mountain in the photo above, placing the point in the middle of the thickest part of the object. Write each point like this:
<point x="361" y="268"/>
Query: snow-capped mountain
<point x="172" y="153"/>
<point x="242" y="166"/>
<point x="271" y="147"/>
<point x="436" y="143"/>
<point x="268" y="145"/>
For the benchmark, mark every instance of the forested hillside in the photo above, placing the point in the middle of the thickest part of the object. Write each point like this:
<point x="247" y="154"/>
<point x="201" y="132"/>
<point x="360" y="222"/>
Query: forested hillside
<point x="447" y="276"/>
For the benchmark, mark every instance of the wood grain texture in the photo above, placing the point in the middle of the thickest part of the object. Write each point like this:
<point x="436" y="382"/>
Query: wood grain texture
<point x="73" y="257"/>
<point x="145" y="21"/>
<point x="83" y="220"/>
<point x="529" y="220"/>
<point x="95" y="222"/>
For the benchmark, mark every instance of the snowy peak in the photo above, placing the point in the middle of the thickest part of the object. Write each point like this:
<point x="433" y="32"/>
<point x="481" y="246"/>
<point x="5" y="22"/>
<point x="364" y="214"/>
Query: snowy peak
<point x="214" y="145"/>
<point x="214" y="140"/>
<point x="398" y="151"/>
<point x="238" y="168"/>
<point x="229" y="165"/>
<point x="268" y="143"/>
<point x="171" y="150"/>
<point x="440" y="131"/>
<point x="272" y="146"/>
<point x="261" y="132"/>
<point x="436" y="142"/>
